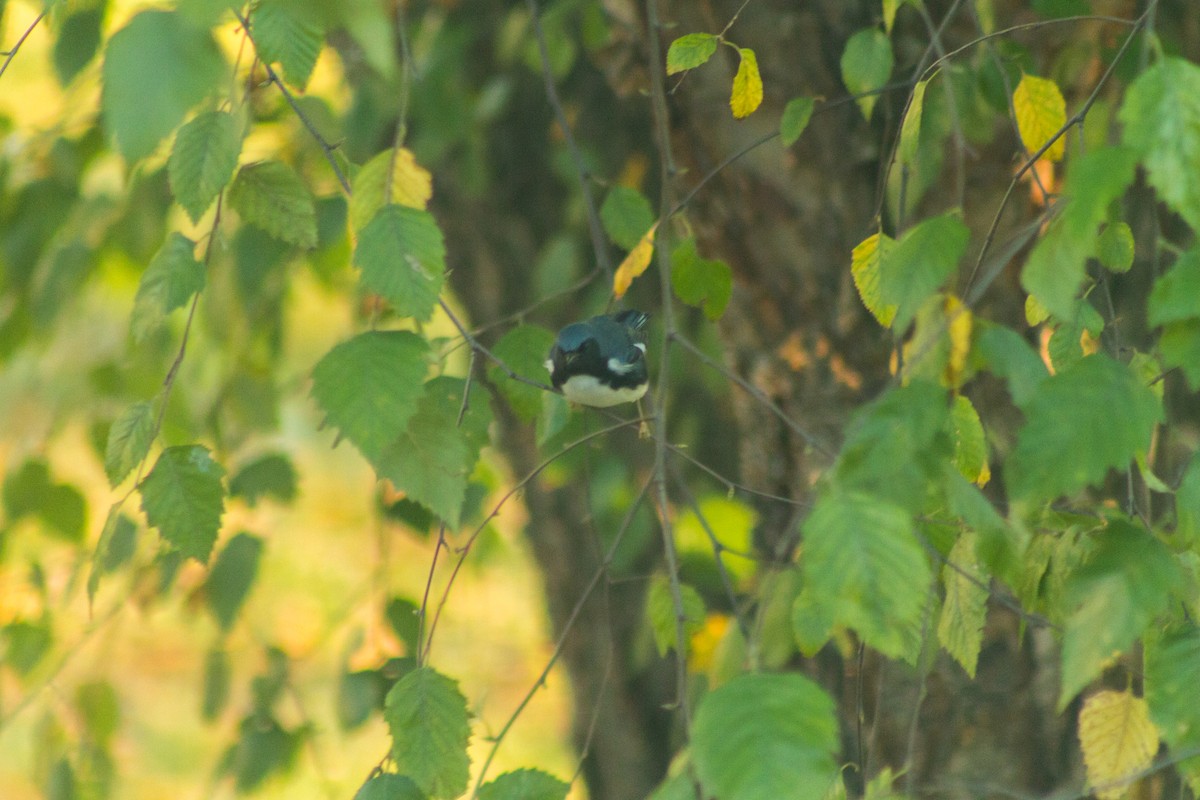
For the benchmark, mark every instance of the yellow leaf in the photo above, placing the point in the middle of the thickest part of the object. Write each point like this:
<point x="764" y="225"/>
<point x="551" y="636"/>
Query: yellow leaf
<point x="1035" y="312"/>
<point x="1118" y="740"/>
<point x="960" y="323"/>
<point x="705" y="640"/>
<point x="635" y="263"/>
<point x="1041" y="113"/>
<point x="960" y="628"/>
<point x="747" y="85"/>
<point x="864" y="267"/>
<point x="393" y="176"/>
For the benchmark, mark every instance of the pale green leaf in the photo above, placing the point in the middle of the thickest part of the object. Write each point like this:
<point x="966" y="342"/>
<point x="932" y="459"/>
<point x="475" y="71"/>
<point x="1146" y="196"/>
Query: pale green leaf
<point x="183" y="497"/>
<point x="920" y="264"/>
<point x="1161" y="122"/>
<point x="1009" y="356"/>
<point x="203" y="159"/>
<point x="427" y="717"/>
<point x="369" y="387"/>
<point x="970" y="442"/>
<point x="862" y="558"/>
<point x="393" y="176"/>
<point x="747" y="93"/>
<point x="690" y="51"/>
<point x="764" y="737"/>
<point x="170" y="280"/>
<point x="960" y="627"/>
<point x="1041" y="112"/>
<point x="626" y="216"/>
<point x="796" y="115"/>
<point x="524" y="350"/>
<point x="403" y="258"/>
<point x="702" y="282"/>
<point x="524" y="784"/>
<point x="290" y="34"/>
<point x="910" y="129"/>
<point x="1179" y="346"/>
<point x="156" y="69"/>
<point x="231" y="577"/>
<point x="865" y="263"/>
<point x="1071" y="436"/>
<point x="1125" y="583"/>
<point x="129" y="441"/>
<point x="431" y="461"/>
<point x="866" y="66"/>
<point x="662" y="614"/>
<point x="271" y="195"/>
<point x="1187" y="503"/>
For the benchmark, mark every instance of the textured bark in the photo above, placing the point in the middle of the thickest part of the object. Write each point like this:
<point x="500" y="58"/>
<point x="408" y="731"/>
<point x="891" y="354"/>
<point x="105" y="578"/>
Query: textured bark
<point x="796" y="330"/>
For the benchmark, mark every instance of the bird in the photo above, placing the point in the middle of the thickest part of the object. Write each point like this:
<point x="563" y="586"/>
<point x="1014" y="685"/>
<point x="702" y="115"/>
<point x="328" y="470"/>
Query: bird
<point x="601" y="362"/>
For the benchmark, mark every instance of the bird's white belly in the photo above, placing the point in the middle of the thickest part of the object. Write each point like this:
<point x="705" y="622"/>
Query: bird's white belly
<point x="589" y="391"/>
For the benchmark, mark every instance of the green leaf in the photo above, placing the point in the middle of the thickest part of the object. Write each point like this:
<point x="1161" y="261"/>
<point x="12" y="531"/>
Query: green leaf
<point x="1161" y="122"/>
<point x="796" y="115"/>
<point x="403" y="258"/>
<point x="701" y="282"/>
<point x="156" y="69"/>
<point x="1187" y="503"/>
<point x="129" y="441"/>
<point x="1056" y="267"/>
<point x="1071" y="436"/>
<point x="183" y="497"/>
<point x="660" y="611"/>
<point x="765" y="736"/>
<point x="1172" y="664"/>
<point x="895" y="444"/>
<point x="524" y="784"/>
<point x="369" y="387"/>
<point x="25" y="644"/>
<point x="203" y="159"/>
<point x="960" y="628"/>
<point x="920" y="263"/>
<point x="30" y="491"/>
<point x="170" y="280"/>
<point x="1116" y="246"/>
<point x="218" y="677"/>
<point x="865" y="267"/>
<point x="524" y="350"/>
<point x="690" y="51"/>
<point x="78" y="40"/>
<point x="271" y="195"/>
<point x="387" y="786"/>
<point x="861" y="556"/>
<point x="404" y="617"/>
<point x="99" y="710"/>
<point x="866" y="65"/>
<point x="431" y="460"/>
<point x="910" y="129"/>
<point x="427" y="717"/>
<point x="1010" y="357"/>
<point x="289" y="34"/>
<point x="1179" y="346"/>
<point x="1125" y="583"/>
<point x="231" y="577"/>
<point x="1176" y="295"/>
<point x="626" y="215"/>
<point x="270" y="475"/>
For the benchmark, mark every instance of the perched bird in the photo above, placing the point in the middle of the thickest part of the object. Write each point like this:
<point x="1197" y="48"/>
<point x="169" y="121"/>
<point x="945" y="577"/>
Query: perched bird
<point x="601" y="362"/>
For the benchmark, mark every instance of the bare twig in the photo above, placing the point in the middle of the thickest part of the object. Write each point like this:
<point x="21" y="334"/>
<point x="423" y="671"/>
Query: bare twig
<point x="17" y="46"/>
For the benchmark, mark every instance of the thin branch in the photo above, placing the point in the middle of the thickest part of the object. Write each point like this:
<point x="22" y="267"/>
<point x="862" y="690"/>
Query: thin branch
<point x="274" y="78"/>
<point x="559" y="645"/>
<point x="465" y="550"/>
<point x="16" y="47"/>
<point x="754" y="392"/>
